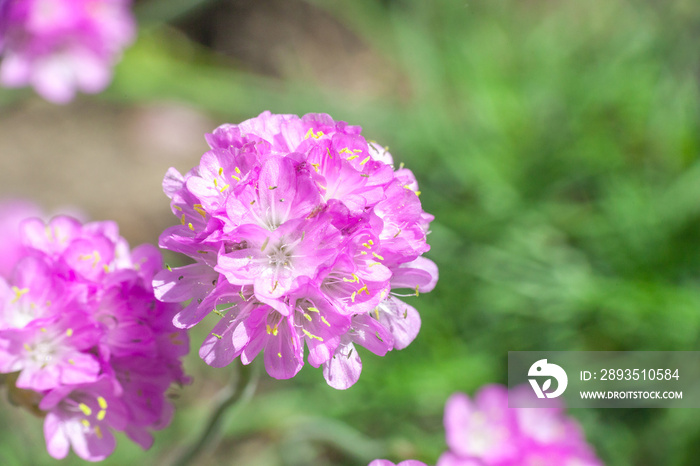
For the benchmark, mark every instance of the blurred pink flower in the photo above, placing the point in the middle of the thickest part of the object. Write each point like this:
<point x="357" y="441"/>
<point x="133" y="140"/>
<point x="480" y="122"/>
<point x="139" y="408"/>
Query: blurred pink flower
<point x="62" y="46"/>
<point x="12" y="213"/>
<point x="484" y="431"/>
<point x="84" y="339"/>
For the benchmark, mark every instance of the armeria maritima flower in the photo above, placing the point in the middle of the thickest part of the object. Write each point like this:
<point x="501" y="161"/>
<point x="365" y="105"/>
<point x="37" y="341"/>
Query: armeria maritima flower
<point x="83" y="340"/>
<point x="485" y="432"/>
<point x="12" y="213"/>
<point x="62" y="46"/>
<point x="300" y="229"/>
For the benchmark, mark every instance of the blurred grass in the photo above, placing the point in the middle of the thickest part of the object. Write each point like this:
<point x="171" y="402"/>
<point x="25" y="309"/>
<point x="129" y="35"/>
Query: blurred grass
<point x="557" y="145"/>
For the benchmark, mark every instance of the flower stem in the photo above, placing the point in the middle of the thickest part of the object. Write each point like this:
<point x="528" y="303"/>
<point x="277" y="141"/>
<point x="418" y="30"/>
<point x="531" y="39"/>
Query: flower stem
<point x="239" y="390"/>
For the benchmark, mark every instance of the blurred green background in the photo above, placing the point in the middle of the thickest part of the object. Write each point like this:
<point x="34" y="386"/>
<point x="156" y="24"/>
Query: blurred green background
<point x="556" y="143"/>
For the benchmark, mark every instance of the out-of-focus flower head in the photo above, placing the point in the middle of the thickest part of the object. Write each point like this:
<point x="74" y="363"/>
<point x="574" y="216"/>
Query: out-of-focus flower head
<point x="484" y="431"/>
<point x="12" y="213"/>
<point x="84" y="341"/>
<point x="300" y="229"/>
<point x="62" y="46"/>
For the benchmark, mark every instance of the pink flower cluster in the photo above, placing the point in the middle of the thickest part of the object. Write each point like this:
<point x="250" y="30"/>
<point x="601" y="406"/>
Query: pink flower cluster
<point x="83" y="339"/>
<point x="485" y="432"/>
<point x="60" y="46"/>
<point x="300" y="229"/>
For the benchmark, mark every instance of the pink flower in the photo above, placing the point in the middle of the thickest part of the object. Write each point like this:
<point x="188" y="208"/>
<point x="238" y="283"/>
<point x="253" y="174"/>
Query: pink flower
<point x="60" y="46"/>
<point x="484" y="431"/>
<point x="300" y="230"/>
<point x="12" y="213"/>
<point x="80" y="326"/>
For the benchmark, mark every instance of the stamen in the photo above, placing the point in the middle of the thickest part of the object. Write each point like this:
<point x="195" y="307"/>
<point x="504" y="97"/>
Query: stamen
<point x="85" y="409"/>
<point x="200" y="210"/>
<point x="311" y="335"/>
<point x="19" y="292"/>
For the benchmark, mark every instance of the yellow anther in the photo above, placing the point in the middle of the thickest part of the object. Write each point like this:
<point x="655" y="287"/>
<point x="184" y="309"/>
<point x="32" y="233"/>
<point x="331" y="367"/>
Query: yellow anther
<point x="177" y="207"/>
<point x="217" y="335"/>
<point x="373" y="264"/>
<point x="398" y="233"/>
<point x="367" y="245"/>
<point x="27" y="347"/>
<point x="345" y="150"/>
<point x="308" y="317"/>
<point x="348" y="280"/>
<point x="71" y="362"/>
<point x="221" y="171"/>
<point x="401" y="166"/>
<point x="365" y="160"/>
<point x="271" y="187"/>
<point x="105" y="267"/>
<point x="377" y="256"/>
<point x="101" y="415"/>
<point x="216" y="183"/>
<point x="264" y="245"/>
<point x="382" y="295"/>
<point x="19" y="292"/>
<point x="198" y="208"/>
<point x="224" y="188"/>
<point x="43" y="330"/>
<point x="279" y="355"/>
<point x="98" y="432"/>
<point x="417" y="193"/>
<point x="269" y="329"/>
<point x="353" y="157"/>
<point x="364" y="288"/>
<point x="190" y="226"/>
<point x="69" y="332"/>
<point x="102" y="402"/>
<point x="323" y="319"/>
<point x="311" y="335"/>
<point x="364" y="253"/>
<point x="321" y="186"/>
<point x="85" y="423"/>
<point x="85" y="409"/>
<point x="357" y="150"/>
<point x="274" y="331"/>
<point x="352" y="296"/>
<point x="235" y="178"/>
<point x="312" y="309"/>
<point x="182" y="219"/>
<point x="416" y="290"/>
<point x="309" y="133"/>
<point x="376" y="312"/>
<point x="316" y="165"/>
<point x="371" y="242"/>
<point x="238" y="170"/>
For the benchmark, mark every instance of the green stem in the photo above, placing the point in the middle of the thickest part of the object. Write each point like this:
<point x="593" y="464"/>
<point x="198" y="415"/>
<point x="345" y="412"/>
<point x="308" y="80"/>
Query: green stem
<point x="245" y="384"/>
